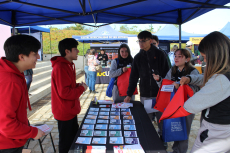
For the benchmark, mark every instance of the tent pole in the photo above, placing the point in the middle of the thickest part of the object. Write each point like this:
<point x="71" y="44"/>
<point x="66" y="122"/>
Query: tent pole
<point x="179" y="35"/>
<point x="13" y="30"/>
<point x="83" y="56"/>
<point x="29" y="30"/>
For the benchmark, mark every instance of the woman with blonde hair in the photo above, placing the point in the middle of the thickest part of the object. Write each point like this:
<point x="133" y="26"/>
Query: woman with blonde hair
<point x="171" y="54"/>
<point x="213" y="100"/>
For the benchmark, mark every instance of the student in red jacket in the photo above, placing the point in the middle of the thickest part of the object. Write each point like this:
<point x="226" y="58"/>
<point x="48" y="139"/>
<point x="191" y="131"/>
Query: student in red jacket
<point x="65" y="92"/>
<point x="21" y="54"/>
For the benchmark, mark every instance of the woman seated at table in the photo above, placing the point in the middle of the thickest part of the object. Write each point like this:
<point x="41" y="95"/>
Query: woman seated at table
<point x="103" y="58"/>
<point x="124" y="59"/>
<point x="181" y="68"/>
<point x="92" y="63"/>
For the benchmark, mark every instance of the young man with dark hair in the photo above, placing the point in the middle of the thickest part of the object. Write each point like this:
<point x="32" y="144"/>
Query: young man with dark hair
<point x="21" y="54"/>
<point x="149" y="60"/>
<point x="65" y="92"/>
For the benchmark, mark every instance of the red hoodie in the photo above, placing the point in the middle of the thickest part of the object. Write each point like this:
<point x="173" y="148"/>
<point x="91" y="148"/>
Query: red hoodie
<point x="65" y="92"/>
<point x="14" y="129"/>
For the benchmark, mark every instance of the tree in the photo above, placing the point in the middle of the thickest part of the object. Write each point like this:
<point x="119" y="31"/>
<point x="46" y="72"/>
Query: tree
<point x="151" y="29"/>
<point x="124" y="28"/>
<point x="158" y="28"/>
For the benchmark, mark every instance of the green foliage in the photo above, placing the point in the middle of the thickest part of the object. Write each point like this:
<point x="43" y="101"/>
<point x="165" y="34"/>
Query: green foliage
<point x="56" y="35"/>
<point x="124" y="28"/>
<point x="176" y="25"/>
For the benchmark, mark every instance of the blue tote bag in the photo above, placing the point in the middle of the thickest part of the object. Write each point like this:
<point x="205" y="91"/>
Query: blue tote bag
<point x="111" y="83"/>
<point x="174" y="129"/>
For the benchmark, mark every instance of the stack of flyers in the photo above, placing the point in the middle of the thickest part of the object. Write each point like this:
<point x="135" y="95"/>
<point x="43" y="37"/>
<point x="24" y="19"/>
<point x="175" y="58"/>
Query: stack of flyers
<point x="91" y="116"/>
<point x="92" y="113"/>
<point x="115" y="117"/>
<point x="116" y="140"/>
<point x="130" y="134"/>
<point x="93" y="109"/>
<point x="101" y="126"/>
<point x="86" y="133"/>
<point x="100" y="133"/>
<point x="114" y="113"/>
<point x="99" y="140"/>
<point x="103" y="113"/>
<point x="112" y="121"/>
<point x="115" y="109"/>
<point x="89" y="121"/>
<point x="115" y="133"/>
<point x="125" y="110"/>
<point x="103" y="121"/>
<point x="105" y="101"/>
<point x="88" y="126"/>
<point x="114" y="127"/>
<point x="125" y="113"/>
<point x="103" y="117"/>
<point x="127" y="117"/>
<point x="128" y="149"/>
<point x="105" y="109"/>
<point x="122" y="105"/>
<point x="84" y="140"/>
<point x="132" y="140"/>
<point x="108" y="106"/>
<point x="93" y="149"/>
<point x="129" y="127"/>
<point x="128" y="122"/>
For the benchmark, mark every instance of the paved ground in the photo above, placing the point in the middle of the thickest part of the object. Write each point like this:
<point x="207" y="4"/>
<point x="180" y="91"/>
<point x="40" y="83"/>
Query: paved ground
<point x="42" y="113"/>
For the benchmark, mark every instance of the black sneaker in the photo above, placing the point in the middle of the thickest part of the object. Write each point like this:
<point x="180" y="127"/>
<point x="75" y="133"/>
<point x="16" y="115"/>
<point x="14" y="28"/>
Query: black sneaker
<point x="90" y="91"/>
<point x="164" y="143"/>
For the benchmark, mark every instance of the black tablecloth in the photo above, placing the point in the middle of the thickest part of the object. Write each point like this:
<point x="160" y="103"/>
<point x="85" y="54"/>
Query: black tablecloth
<point x="103" y="77"/>
<point x="146" y="132"/>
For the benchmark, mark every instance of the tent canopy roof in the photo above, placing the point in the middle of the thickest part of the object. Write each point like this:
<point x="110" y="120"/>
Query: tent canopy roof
<point x="170" y="32"/>
<point x="226" y="30"/>
<point x="102" y="34"/>
<point x="31" y="29"/>
<point x="40" y="12"/>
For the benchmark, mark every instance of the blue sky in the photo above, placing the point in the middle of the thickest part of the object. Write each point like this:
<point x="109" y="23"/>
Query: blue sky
<point x="206" y="23"/>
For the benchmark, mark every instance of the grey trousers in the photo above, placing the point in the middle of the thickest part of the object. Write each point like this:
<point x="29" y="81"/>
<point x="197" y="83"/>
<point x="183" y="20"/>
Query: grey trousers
<point x="158" y="115"/>
<point x="182" y="146"/>
<point x="116" y="97"/>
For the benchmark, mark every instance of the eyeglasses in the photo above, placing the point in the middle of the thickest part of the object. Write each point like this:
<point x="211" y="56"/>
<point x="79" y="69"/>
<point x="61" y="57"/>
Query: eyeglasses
<point x="143" y="41"/>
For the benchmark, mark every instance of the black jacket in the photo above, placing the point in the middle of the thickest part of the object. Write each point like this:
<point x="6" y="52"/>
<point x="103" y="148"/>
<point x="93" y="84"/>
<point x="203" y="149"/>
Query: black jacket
<point x="103" y="62"/>
<point x="143" y="64"/>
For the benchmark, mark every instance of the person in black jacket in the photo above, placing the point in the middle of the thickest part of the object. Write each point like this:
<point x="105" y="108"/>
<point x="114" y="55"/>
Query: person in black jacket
<point x="148" y="61"/>
<point x="103" y="58"/>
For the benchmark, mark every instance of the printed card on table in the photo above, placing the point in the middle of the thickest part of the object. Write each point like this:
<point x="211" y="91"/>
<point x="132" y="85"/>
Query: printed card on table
<point x="92" y="113"/>
<point x="103" y="113"/>
<point x="132" y="140"/>
<point x="125" y="113"/>
<point x="128" y="122"/>
<point x="105" y="101"/>
<point x="114" y="127"/>
<point x="115" y="133"/>
<point x="105" y="109"/>
<point x="89" y="121"/>
<point x="100" y="133"/>
<point x="101" y="126"/>
<point x="91" y="117"/>
<point x="98" y="140"/>
<point x="116" y="140"/>
<point x="127" y="117"/>
<point x="115" y="117"/>
<point x="129" y="127"/>
<point x="115" y="109"/>
<point x="88" y="126"/>
<point x="103" y="121"/>
<point x="125" y="110"/>
<point x="108" y="106"/>
<point x="86" y="133"/>
<point x="130" y="134"/>
<point x="84" y="140"/>
<point x="112" y="121"/>
<point x="93" y="109"/>
<point x="114" y="113"/>
<point x="103" y="117"/>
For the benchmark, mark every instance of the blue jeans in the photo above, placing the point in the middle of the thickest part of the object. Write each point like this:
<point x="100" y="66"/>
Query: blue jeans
<point x="28" y="81"/>
<point x="86" y="75"/>
<point x="92" y="80"/>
